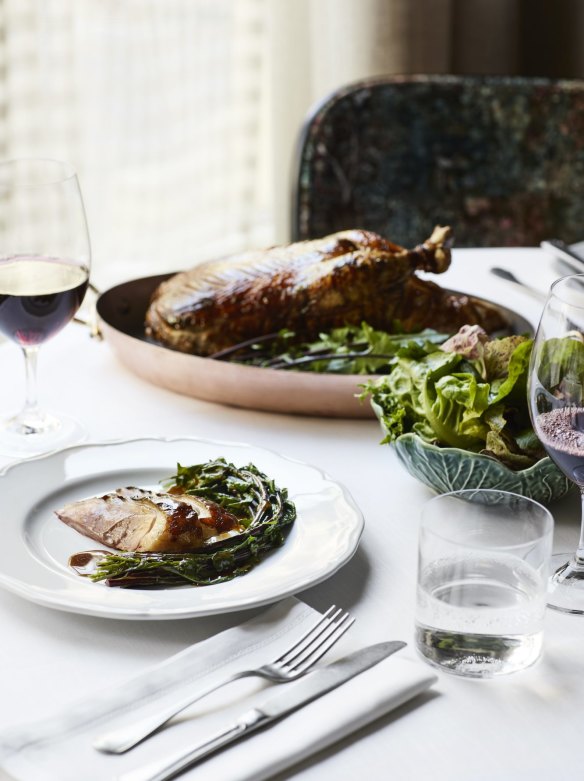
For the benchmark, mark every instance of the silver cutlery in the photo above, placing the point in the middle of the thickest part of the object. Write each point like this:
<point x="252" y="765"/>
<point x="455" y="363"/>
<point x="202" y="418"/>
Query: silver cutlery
<point x="316" y="684"/>
<point x="292" y="664"/>
<point x="507" y="275"/>
<point x="564" y="252"/>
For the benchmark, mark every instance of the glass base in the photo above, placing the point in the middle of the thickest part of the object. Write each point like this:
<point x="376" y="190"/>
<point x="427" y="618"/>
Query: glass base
<point x="476" y="655"/>
<point x="566" y="585"/>
<point x="24" y="436"/>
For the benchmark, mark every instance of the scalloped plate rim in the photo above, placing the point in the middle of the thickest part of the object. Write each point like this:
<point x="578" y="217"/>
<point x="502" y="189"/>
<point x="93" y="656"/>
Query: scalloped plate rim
<point x="32" y="543"/>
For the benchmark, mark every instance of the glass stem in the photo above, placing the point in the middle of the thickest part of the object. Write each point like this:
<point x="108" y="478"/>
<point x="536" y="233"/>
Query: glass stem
<point x="580" y="551"/>
<point x="31" y="406"/>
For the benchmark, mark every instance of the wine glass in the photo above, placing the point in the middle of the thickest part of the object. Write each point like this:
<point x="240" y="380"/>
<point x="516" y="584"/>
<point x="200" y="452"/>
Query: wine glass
<point x="556" y="402"/>
<point x="44" y="273"/>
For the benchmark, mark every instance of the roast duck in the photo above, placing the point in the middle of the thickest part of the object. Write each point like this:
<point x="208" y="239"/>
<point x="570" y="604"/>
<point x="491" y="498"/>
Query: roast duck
<point x="133" y="519"/>
<point x="308" y="287"/>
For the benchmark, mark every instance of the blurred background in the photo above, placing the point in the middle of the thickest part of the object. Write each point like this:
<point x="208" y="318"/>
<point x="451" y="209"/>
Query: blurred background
<point x="181" y="116"/>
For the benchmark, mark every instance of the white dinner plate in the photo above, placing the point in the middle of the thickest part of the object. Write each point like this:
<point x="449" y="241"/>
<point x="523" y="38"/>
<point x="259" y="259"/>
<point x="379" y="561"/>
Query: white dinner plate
<point x="36" y="545"/>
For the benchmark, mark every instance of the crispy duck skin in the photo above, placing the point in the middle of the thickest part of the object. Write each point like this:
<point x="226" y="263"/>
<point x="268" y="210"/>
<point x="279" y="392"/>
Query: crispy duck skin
<point x="132" y="519"/>
<point x="346" y="278"/>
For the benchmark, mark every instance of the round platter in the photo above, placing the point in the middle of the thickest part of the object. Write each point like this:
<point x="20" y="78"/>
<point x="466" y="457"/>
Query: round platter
<point x="37" y="546"/>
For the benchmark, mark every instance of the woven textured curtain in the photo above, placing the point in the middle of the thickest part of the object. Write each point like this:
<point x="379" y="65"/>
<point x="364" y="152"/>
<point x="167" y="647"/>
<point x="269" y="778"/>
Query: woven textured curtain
<point x="161" y="108"/>
<point x="181" y="116"/>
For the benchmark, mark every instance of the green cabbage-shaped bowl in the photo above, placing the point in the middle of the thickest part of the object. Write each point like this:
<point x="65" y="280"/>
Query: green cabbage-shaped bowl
<point x="447" y="469"/>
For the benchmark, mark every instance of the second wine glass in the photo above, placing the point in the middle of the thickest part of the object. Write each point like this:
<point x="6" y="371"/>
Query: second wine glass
<point x="44" y="273"/>
<point x="556" y="401"/>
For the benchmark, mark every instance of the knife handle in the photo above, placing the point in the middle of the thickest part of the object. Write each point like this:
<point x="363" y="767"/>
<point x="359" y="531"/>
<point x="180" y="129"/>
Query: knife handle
<point x="562" y="250"/>
<point x="128" y="735"/>
<point x="175" y="764"/>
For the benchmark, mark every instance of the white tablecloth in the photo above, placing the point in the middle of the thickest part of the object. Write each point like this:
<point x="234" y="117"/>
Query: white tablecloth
<point x="526" y="726"/>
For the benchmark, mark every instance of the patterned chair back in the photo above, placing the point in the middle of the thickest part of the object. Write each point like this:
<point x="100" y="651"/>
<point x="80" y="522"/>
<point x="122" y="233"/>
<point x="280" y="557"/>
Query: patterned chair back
<point x="500" y="159"/>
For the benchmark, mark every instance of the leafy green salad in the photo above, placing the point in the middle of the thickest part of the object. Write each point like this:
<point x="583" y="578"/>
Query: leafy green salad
<point x="469" y="392"/>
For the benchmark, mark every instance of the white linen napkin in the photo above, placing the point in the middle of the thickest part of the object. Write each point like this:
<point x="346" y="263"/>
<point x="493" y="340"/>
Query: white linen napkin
<point x="59" y="749"/>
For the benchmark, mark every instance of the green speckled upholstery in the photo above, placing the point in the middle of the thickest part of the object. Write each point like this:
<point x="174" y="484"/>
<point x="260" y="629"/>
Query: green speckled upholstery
<point x="500" y="159"/>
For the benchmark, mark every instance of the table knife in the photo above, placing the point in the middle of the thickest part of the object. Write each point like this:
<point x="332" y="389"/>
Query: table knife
<point x="296" y="695"/>
<point x="565" y="253"/>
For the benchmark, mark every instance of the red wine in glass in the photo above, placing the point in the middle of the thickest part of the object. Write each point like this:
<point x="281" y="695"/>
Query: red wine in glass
<point x="44" y="272"/>
<point x="561" y="432"/>
<point x="38" y="297"/>
<point x="556" y="403"/>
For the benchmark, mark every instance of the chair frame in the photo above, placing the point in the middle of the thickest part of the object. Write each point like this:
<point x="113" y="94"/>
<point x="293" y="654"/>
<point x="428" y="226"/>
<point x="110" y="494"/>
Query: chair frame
<point x="553" y="198"/>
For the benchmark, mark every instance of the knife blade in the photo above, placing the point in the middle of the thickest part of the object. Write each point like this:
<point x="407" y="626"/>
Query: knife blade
<point x="309" y="688"/>
<point x="508" y="276"/>
<point x="561" y="250"/>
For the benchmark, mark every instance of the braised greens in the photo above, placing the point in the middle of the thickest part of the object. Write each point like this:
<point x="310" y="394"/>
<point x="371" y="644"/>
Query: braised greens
<point x="348" y="350"/>
<point x="261" y="507"/>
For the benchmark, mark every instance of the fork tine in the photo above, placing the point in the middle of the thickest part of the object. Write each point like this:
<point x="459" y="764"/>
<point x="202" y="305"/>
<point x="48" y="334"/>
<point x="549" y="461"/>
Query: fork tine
<point x="322" y="631"/>
<point x="317" y="651"/>
<point x="309" y="636"/>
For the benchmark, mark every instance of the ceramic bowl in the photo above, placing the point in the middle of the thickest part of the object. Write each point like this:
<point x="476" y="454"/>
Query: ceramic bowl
<point x="447" y="469"/>
<point x="452" y="469"/>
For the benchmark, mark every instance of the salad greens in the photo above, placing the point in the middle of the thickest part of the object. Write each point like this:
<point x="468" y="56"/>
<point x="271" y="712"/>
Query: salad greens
<point x="562" y="367"/>
<point x="348" y="350"/>
<point x="261" y="507"/>
<point x="470" y="393"/>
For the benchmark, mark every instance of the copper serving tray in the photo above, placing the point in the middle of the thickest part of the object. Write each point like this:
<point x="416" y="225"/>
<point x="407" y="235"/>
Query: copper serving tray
<point x="121" y="311"/>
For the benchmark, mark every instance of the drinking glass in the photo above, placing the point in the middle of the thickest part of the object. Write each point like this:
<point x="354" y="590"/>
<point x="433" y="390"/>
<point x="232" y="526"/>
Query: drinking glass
<point x="482" y="579"/>
<point x="44" y="273"/>
<point x="556" y="402"/>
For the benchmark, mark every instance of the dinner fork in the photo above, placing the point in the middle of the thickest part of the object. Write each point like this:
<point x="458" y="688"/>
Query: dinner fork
<point x="292" y="664"/>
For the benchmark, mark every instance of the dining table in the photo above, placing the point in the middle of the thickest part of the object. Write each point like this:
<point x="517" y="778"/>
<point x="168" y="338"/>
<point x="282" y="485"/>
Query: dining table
<point x="512" y="727"/>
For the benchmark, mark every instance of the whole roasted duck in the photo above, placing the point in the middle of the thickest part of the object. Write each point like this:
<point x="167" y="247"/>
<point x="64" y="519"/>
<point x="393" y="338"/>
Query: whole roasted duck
<point x="346" y="278"/>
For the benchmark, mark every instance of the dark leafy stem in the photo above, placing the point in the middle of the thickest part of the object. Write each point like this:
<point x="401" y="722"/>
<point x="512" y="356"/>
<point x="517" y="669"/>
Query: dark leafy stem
<point x="296" y="363"/>
<point x="347" y="350"/>
<point x="247" y="343"/>
<point x="262" y="507"/>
